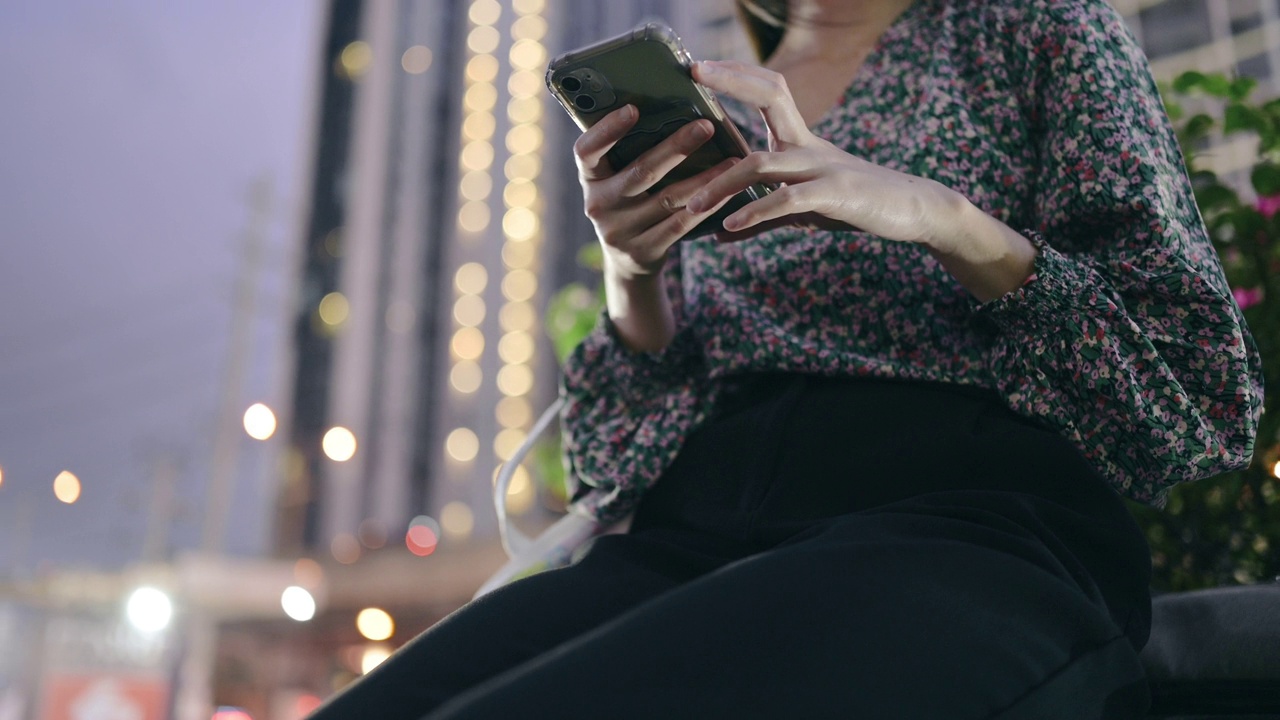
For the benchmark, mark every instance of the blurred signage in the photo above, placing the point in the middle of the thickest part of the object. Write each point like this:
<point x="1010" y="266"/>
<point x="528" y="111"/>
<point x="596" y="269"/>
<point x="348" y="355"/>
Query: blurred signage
<point x="104" y="696"/>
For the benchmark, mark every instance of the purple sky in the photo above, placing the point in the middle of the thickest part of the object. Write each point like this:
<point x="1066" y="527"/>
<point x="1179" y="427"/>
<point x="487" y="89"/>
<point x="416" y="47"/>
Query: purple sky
<point x="129" y="134"/>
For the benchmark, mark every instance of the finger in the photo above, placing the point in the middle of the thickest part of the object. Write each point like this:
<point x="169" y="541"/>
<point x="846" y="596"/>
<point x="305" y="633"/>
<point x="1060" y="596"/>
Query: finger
<point x="789" y="200"/>
<point x="645" y="171"/>
<point x="758" y="167"/>
<point x="590" y="148"/>
<point x="762" y="88"/>
<point x="675" y="197"/>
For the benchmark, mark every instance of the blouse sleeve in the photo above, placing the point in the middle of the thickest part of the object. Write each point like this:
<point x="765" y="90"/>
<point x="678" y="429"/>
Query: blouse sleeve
<point x="627" y="412"/>
<point x="1127" y="338"/>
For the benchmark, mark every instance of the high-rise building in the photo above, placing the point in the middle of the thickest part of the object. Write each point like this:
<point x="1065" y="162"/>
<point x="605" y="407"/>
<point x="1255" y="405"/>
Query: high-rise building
<point x="443" y="208"/>
<point x="1236" y="37"/>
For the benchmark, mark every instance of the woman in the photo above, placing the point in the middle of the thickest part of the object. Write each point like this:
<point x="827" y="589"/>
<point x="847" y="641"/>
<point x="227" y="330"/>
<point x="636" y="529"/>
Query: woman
<point x="875" y="435"/>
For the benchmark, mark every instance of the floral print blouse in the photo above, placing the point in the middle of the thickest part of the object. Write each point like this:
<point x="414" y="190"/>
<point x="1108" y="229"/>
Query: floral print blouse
<point x="1126" y="339"/>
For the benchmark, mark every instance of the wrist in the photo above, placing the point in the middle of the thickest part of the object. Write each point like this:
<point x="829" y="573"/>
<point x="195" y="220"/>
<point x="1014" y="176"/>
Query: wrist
<point x="986" y="256"/>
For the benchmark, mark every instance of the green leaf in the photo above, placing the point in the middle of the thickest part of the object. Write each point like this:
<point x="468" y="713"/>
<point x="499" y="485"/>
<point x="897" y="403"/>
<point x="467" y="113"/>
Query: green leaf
<point x="1238" y="117"/>
<point x="1216" y="85"/>
<point x="1266" y="179"/>
<point x="1241" y="87"/>
<point x="1187" y="81"/>
<point x="591" y="256"/>
<point x="571" y="315"/>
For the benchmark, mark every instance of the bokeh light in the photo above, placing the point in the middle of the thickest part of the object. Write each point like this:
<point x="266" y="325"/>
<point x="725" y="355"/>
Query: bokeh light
<point x="259" y="422"/>
<point x="527" y="53"/>
<point x="466" y="376"/>
<point x="469" y="310"/>
<point x="416" y="59"/>
<point x="457" y="520"/>
<point x="1" y="476"/>
<point x="519" y="285"/>
<point x="520" y="494"/>
<point x="375" y="624"/>
<point x="66" y="487"/>
<point x="524" y="109"/>
<point x="308" y="573"/>
<point x="529" y="27"/>
<point x="516" y="347"/>
<point x="298" y="603"/>
<point x="506" y="442"/>
<point x="372" y="533"/>
<point x="334" y="309"/>
<point x="356" y="58"/>
<point x="522" y="167"/>
<point x="485" y="12"/>
<point x="518" y="254"/>
<point x="516" y="316"/>
<point x="462" y="445"/>
<point x="149" y="609"/>
<point x="515" y="380"/>
<point x="482" y="69"/>
<point x="473" y="216"/>
<point x="483" y="39"/>
<point x="345" y="548"/>
<point x="1276" y="470"/>
<point x="467" y="343"/>
<point x="421" y="540"/>
<point x="524" y="83"/>
<point x="475" y="185"/>
<point x="513" y="412"/>
<point x="520" y="193"/>
<point x="480" y="97"/>
<point x="339" y="444"/>
<point x="520" y="223"/>
<point x="477" y="155"/>
<point x="529" y="7"/>
<point x="479" y="126"/>
<point x="471" y="278"/>
<point x="373" y="656"/>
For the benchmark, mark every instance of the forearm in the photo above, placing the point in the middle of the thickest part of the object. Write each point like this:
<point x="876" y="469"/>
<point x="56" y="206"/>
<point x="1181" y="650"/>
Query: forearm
<point x="986" y="256"/>
<point x="639" y="308"/>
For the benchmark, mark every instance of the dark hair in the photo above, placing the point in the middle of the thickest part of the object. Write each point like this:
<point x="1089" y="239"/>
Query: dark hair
<point x="765" y="21"/>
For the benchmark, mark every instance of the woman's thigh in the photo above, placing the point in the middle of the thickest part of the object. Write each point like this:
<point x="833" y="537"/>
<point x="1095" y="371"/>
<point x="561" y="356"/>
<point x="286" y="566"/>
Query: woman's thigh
<point x="521" y="621"/>
<point x="894" y="613"/>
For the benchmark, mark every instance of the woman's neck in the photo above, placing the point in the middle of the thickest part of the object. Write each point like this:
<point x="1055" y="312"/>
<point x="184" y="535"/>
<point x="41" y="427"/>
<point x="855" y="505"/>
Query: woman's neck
<point x="835" y="30"/>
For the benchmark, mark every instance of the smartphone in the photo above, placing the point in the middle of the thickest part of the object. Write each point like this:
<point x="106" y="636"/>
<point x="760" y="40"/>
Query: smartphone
<point x="648" y="67"/>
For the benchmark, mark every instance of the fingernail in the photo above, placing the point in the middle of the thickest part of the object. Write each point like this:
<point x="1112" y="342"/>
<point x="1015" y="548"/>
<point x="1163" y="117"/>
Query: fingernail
<point x="733" y="222"/>
<point x="708" y="67"/>
<point x="628" y="112"/>
<point x="695" y="204"/>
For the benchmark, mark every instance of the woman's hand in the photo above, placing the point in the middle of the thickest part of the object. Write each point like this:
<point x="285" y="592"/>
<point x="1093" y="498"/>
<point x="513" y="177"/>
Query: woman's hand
<point x="821" y="184"/>
<point x="825" y="186"/>
<point x="634" y="227"/>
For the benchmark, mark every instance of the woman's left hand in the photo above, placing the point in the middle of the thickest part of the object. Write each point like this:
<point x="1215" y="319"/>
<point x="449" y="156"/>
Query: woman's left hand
<point x="821" y="185"/>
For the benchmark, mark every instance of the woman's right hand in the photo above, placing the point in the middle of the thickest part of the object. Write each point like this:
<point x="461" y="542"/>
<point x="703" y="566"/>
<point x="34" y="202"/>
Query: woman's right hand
<point x="634" y="227"/>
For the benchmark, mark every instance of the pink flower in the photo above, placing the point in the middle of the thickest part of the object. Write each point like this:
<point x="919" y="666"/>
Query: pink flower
<point x="1268" y="205"/>
<point x="1247" y="297"/>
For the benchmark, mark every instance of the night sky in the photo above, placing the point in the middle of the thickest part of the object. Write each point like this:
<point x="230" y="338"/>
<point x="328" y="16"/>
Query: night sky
<point x="130" y="133"/>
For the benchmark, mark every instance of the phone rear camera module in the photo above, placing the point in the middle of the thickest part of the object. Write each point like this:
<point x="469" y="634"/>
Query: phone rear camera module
<point x="585" y="102"/>
<point x="570" y="84"/>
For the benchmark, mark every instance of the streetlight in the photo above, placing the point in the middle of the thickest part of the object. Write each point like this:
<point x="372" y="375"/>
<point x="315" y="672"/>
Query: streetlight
<point x="259" y="422"/>
<point x="66" y="487"/>
<point x="149" y="609"/>
<point x="339" y="444"/>
<point x="298" y="603"/>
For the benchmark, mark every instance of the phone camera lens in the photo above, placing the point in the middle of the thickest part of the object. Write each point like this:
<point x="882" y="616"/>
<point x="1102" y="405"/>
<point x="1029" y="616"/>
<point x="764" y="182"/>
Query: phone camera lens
<point x="571" y="84"/>
<point x="585" y="102"/>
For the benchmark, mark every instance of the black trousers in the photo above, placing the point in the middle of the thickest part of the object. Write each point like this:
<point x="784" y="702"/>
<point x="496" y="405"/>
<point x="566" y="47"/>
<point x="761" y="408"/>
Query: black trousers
<point x="822" y="548"/>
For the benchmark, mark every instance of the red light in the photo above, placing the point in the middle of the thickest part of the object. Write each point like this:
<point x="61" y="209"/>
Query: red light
<point x="303" y="706"/>
<point x="421" y="540"/>
<point x="231" y="714"/>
